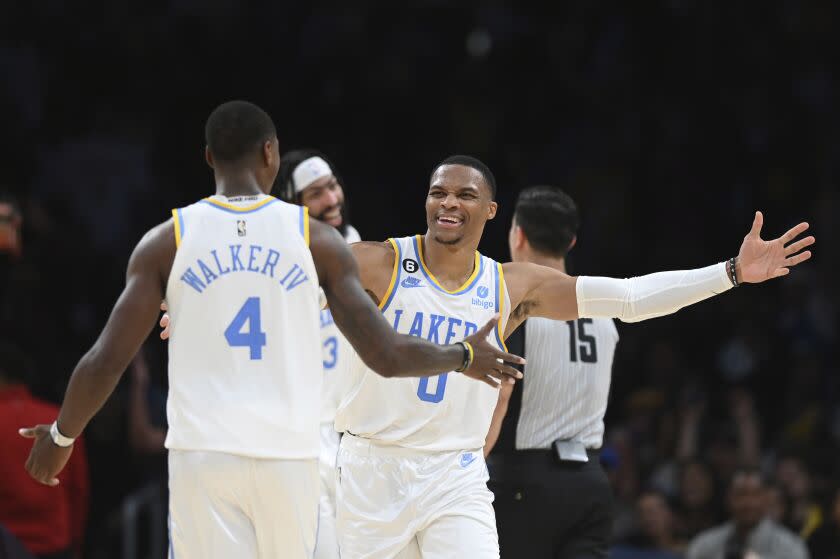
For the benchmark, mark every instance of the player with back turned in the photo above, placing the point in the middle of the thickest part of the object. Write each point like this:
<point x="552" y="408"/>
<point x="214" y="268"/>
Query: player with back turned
<point x="240" y="271"/>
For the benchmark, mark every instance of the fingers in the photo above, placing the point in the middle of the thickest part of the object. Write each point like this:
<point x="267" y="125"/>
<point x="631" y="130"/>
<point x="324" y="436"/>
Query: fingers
<point x="794" y="232"/>
<point x="798" y="258"/>
<point x="163" y="306"/>
<point x="510" y="358"/>
<point x="506" y="369"/>
<point x="485" y="330"/>
<point x="164" y="323"/>
<point x="758" y="221"/>
<point x="490" y="381"/>
<point x="34" y="432"/>
<point x="779" y="272"/>
<point x="799" y="245"/>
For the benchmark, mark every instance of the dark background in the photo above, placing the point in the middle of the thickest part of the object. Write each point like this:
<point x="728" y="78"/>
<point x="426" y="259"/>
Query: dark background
<point x="669" y="122"/>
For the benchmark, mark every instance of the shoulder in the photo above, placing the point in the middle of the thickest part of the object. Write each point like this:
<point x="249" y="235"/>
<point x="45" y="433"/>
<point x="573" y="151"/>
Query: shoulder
<point x="375" y="253"/>
<point x="155" y="251"/>
<point x="607" y="325"/>
<point x="709" y="539"/>
<point x="784" y="538"/>
<point x="160" y="238"/>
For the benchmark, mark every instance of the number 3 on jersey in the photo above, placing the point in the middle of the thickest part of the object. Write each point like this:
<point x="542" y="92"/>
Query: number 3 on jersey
<point x="254" y="337"/>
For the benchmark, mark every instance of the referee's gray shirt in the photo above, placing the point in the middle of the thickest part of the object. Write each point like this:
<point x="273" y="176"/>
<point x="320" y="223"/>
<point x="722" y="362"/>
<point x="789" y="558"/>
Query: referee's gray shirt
<point x="567" y="381"/>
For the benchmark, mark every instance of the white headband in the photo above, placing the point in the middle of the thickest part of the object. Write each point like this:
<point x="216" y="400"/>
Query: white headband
<point x="309" y="171"/>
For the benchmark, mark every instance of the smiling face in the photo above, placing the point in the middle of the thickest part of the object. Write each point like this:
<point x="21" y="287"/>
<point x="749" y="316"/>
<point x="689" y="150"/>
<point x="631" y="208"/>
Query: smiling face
<point x="458" y="204"/>
<point x="325" y="200"/>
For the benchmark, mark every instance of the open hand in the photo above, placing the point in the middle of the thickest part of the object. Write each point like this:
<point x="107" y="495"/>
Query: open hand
<point x="760" y="260"/>
<point x="490" y="364"/>
<point x="46" y="459"/>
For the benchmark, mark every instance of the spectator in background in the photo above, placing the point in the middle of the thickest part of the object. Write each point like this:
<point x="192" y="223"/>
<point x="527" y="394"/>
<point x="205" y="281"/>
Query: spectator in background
<point x="656" y="538"/>
<point x="48" y="521"/>
<point x="698" y="506"/>
<point x="824" y="543"/>
<point x="803" y="513"/>
<point x="750" y="533"/>
<point x="10" y="224"/>
<point x="776" y="503"/>
<point x="11" y="245"/>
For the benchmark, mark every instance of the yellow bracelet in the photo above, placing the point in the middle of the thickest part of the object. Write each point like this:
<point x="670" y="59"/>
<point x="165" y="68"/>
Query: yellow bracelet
<point x="469" y="355"/>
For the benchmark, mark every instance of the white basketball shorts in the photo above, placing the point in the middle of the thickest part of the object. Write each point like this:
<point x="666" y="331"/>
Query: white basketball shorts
<point x="399" y="502"/>
<point x="223" y="505"/>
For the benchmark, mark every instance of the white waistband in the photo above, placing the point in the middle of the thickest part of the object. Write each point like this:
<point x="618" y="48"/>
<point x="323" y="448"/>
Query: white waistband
<point x="367" y="447"/>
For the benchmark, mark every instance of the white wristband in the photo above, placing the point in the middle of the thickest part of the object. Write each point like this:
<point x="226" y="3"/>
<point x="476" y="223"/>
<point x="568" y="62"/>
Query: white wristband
<point x="58" y="438"/>
<point x="644" y="297"/>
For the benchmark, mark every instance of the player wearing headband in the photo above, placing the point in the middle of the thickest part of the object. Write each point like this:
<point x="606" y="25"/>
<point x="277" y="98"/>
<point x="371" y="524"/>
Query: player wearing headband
<point x="411" y="472"/>
<point x="308" y="178"/>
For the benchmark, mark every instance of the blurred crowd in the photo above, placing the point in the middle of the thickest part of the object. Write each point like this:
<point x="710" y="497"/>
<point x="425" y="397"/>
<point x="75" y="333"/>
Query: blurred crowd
<point x="669" y="123"/>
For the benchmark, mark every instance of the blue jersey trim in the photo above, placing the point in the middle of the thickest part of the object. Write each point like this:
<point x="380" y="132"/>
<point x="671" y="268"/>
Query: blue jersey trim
<point x="182" y="223"/>
<point x="302" y="222"/>
<point x="499" y="294"/>
<point x="398" y="267"/>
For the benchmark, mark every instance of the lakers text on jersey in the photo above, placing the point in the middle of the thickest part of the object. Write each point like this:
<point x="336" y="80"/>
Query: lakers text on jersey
<point x="448" y="412"/>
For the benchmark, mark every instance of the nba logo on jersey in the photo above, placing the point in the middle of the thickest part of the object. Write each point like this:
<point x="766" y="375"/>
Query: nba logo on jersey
<point x="240" y="227"/>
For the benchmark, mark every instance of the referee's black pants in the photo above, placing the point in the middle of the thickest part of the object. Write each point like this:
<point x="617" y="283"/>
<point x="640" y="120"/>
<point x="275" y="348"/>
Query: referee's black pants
<point x="547" y="509"/>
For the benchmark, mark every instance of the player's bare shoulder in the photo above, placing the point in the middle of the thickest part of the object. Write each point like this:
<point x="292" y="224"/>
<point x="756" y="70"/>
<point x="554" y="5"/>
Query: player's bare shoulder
<point x="376" y="266"/>
<point x="156" y="250"/>
<point x="535" y="290"/>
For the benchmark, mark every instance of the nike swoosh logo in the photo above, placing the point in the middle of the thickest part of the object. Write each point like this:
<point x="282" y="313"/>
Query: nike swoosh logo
<point x="468" y="461"/>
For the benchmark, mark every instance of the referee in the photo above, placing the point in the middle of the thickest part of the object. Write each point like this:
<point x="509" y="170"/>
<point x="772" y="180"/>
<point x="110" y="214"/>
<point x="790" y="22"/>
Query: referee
<point x="552" y="498"/>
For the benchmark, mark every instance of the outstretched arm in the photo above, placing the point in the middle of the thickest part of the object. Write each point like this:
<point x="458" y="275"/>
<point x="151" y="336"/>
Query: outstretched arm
<point x="97" y="373"/>
<point x="380" y="347"/>
<point x="540" y="291"/>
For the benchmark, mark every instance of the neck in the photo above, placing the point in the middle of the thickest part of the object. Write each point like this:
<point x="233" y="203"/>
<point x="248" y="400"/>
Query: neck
<point x="558" y="263"/>
<point x="450" y="264"/>
<point x="237" y="183"/>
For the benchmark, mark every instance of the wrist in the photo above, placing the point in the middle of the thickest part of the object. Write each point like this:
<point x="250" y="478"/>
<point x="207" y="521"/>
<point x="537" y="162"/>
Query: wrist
<point x="733" y="271"/>
<point x="467" y="356"/>
<point x="58" y="438"/>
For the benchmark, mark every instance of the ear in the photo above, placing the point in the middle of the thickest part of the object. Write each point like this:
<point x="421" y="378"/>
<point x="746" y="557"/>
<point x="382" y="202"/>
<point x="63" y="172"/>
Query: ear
<point x="208" y="157"/>
<point x="491" y="212"/>
<point x="572" y="244"/>
<point x="519" y="238"/>
<point x="268" y="153"/>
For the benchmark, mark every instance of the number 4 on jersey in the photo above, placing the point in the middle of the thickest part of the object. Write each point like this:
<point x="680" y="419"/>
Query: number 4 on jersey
<point x="254" y="338"/>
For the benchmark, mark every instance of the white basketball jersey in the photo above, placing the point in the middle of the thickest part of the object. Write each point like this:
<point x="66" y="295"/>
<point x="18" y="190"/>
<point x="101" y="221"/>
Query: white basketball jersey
<point x="338" y="354"/>
<point x="244" y="351"/>
<point x="448" y="412"/>
<point x="567" y="381"/>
